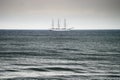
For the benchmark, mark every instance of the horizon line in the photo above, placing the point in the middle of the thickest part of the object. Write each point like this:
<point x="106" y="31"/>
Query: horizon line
<point x="49" y="29"/>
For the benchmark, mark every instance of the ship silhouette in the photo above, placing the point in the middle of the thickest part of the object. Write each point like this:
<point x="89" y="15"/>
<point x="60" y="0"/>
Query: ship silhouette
<point x="59" y="27"/>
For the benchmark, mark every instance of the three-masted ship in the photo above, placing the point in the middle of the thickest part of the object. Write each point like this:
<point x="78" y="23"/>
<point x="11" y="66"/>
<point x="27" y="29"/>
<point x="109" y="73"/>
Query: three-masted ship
<point x="59" y="27"/>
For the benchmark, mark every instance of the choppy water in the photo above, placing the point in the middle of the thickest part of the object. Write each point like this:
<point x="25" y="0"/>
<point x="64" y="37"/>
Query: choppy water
<point x="47" y="55"/>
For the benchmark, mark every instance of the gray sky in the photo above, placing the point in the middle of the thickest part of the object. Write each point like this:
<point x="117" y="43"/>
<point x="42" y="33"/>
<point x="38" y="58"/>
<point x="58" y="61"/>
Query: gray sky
<point x="80" y="14"/>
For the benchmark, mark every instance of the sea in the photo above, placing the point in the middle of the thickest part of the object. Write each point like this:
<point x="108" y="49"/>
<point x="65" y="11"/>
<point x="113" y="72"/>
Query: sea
<point x="59" y="55"/>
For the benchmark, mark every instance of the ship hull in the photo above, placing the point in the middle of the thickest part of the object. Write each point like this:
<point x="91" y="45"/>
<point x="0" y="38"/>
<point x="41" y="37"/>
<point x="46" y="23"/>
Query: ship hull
<point x="60" y="30"/>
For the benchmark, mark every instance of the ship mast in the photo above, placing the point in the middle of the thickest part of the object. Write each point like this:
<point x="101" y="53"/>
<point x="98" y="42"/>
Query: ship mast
<point x="58" y="24"/>
<point x="65" y="23"/>
<point x="52" y="23"/>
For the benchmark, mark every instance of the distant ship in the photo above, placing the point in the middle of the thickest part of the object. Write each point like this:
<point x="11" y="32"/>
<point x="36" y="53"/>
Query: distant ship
<point x="59" y="27"/>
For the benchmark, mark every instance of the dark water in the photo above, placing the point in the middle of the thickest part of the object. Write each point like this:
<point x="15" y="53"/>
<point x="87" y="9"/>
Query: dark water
<point x="47" y="55"/>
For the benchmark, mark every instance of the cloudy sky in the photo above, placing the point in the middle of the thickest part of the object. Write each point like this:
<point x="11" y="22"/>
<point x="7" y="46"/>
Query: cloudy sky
<point x="80" y="14"/>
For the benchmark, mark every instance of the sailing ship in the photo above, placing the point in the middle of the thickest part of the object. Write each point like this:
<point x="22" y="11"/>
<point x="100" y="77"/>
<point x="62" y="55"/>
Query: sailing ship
<point x="59" y="27"/>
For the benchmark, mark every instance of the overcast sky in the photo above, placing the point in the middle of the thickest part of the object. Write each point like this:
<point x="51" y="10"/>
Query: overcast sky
<point x="80" y="14"/>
